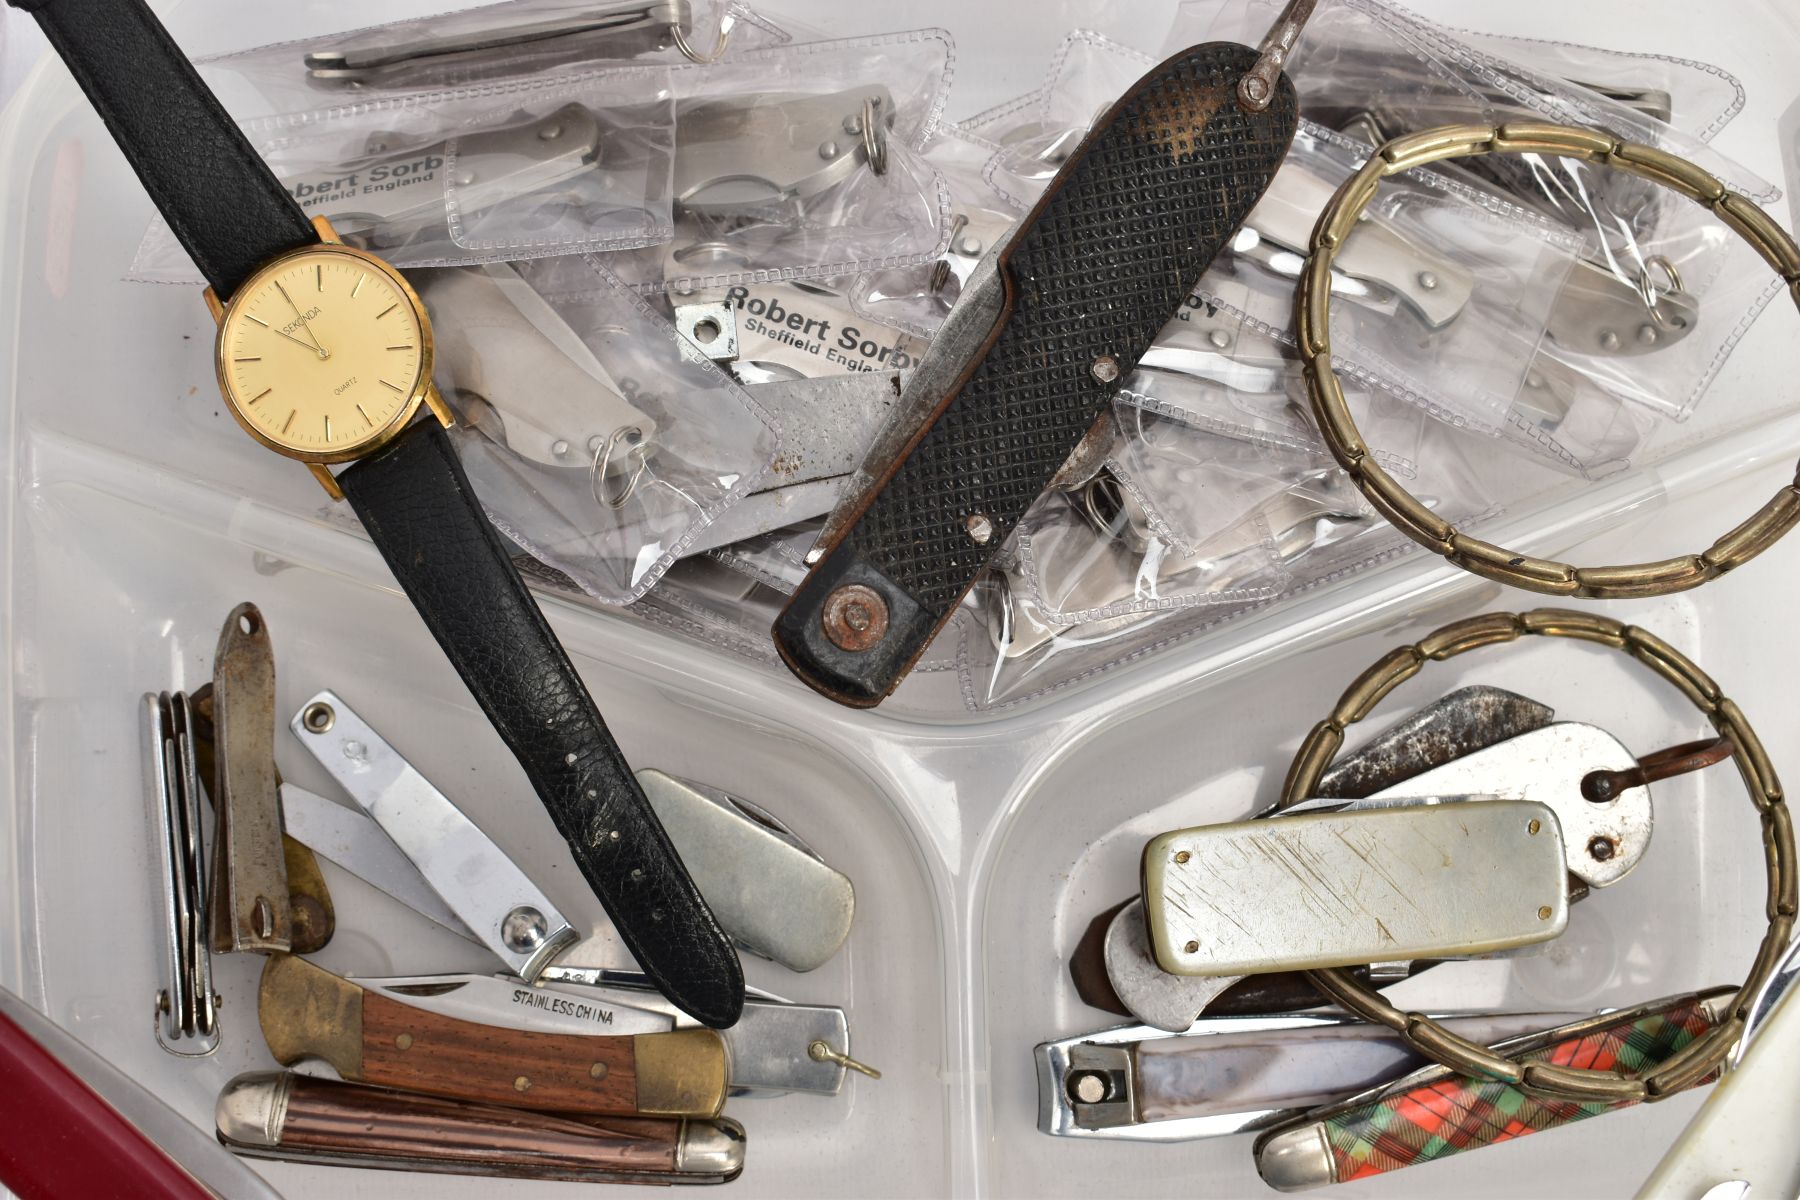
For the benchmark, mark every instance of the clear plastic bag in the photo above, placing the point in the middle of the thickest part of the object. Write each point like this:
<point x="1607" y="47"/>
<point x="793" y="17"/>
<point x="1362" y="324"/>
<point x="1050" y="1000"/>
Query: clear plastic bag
<point x="1440" y="298"/>
<point x="487" y="173"/>
<point x="1662" y="290"/>
<point x="1695" y="97"/>
<point x="1038" y="131"/>
<point x="1315" y="528"/>
<point x="591" y="442"/>
<point x="494" y="42"/>
<point x="918" y="298"/>
<point x="1213" y="371"/>
<point x="803" y="162"/>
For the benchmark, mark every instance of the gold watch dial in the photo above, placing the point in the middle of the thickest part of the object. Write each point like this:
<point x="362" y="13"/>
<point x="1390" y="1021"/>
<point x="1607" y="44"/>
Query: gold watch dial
<point x="323" y="353"/>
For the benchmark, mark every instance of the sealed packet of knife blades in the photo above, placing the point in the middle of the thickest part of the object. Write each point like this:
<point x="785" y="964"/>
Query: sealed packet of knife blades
<point x="802" y="162"/>
<point x="918" y="298"/>
<point x="594" y="445"/>
<point x="1316" y="528"/>
<point x="1697" y="98"/>
<point x="1213" y="370"/>
<point x="1183" y="517"/>
<point x="1661" y="292"/>
<point x="483" y="173"/>
<point x="1442" y="300"/>
<point x="493" y="42"/>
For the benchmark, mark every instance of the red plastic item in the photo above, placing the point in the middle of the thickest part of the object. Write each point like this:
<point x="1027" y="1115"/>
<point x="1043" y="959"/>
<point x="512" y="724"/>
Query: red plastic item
<point x="60" y="1140"/>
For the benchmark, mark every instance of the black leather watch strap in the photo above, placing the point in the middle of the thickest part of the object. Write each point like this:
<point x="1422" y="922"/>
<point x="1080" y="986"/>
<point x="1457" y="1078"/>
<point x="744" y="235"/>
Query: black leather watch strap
<point x="225" y="205"/>
<point x="416" y="502"/>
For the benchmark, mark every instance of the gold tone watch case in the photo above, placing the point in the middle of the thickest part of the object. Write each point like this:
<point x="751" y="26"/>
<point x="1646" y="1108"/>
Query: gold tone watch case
<point x="424" y="391"/>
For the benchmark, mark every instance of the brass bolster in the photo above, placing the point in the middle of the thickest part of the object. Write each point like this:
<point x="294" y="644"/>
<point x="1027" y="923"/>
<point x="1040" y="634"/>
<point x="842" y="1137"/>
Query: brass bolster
<point x="680" y="1074"/>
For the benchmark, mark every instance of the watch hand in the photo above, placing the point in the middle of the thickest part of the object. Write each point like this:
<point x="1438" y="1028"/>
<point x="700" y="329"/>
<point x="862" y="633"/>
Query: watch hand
<point x="304" y="324"/>
<point x="310" y="347"/>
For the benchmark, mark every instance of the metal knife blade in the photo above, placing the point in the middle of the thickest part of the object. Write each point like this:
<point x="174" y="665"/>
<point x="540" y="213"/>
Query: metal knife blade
<point x="350" y="838"/>
<point x="768" y="890"/>
<point x="489" y="893"/>
<point x="1056" y="318"/>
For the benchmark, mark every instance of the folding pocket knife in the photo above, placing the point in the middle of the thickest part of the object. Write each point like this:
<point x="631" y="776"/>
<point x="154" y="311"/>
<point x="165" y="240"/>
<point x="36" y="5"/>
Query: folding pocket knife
<point x="1050" y="323"/>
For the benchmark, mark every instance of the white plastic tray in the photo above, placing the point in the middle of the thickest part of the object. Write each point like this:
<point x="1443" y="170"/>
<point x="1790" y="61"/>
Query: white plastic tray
<point x="137" y="514"/>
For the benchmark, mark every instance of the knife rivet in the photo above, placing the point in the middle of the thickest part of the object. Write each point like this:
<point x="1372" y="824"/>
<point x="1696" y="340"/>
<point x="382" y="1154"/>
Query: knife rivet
<point x="318" y="717"/>
<point x="404" y="1041"/>
<point x="1192" y="948"/>
<point x="828" y="151"/>
<point x="1219" y="338"/>
<point x="597" y="1071"/>
<point x="465" y="178"/>
<point x="1647" y="335"/>
<point x="264" y="916"/>
<point x="522" y="1083"/>
<point x="1544" y="912"/>
<point x="1609" y="340"/>
<point x="1089" y="1087"/>
<point x="1182" y="856"/>
<point x="1105" y="369"/>
<point x="855" y="617"/>
<point x="853" y="124"/>
<point x="1532" y="826"/>
<point x="550" y="133"/>
<point x="559" y="447"/>
<point x="980" y="527"/>
<point x="524" y="929"/>
<point x="1428" y="281"/>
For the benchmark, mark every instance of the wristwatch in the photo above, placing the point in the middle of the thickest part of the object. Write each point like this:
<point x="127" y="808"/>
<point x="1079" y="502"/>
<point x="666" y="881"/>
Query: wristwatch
<point x="324" y="355"/>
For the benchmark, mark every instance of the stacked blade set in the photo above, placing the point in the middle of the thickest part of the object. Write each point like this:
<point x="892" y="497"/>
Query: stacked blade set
<point x="719" y="326"/>
<point x="562" y="1061"/>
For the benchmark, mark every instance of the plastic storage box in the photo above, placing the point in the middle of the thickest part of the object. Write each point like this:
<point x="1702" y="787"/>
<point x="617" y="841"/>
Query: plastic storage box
<point x="137" y="514"/>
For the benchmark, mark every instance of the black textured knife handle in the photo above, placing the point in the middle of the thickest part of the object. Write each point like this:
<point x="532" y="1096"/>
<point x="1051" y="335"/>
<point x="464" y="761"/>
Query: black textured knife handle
<point x="1124" y="232"/>
<point x="416" y="502"/>
<point x="230" y="212"/>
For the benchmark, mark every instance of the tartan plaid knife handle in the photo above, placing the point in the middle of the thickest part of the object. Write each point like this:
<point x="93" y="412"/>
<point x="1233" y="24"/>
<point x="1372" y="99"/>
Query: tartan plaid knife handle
<point x="1437" y="1113"/>
<point x="1093" y="272"/>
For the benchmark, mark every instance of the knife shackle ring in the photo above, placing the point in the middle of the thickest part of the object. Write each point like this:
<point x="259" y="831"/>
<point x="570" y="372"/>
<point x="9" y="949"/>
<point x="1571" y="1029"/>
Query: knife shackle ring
<point x="1706" y="1053"/>
<point x="1406" y="513"/>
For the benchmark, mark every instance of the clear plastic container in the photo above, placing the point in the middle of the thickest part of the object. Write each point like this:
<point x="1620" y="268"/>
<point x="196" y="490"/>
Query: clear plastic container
<point x="980" y="844"/>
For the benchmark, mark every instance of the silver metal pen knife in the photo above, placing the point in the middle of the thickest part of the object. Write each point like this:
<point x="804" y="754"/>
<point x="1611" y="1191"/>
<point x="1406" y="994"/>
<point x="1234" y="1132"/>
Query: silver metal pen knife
<point x="1229" y="1075"/>
<point x="632" y="27"/>
<point x="396" y="188"/>
<point x="767" y="890"/>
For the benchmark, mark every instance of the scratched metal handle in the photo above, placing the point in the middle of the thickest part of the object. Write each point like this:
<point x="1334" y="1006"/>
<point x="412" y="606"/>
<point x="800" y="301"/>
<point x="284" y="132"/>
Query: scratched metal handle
<point x="1122" y="234"/>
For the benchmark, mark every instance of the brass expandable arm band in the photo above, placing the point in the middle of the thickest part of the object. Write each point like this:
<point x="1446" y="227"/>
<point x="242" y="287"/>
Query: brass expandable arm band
<point x="1705" y="1054"/>
<point x="1313" y="329"/>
